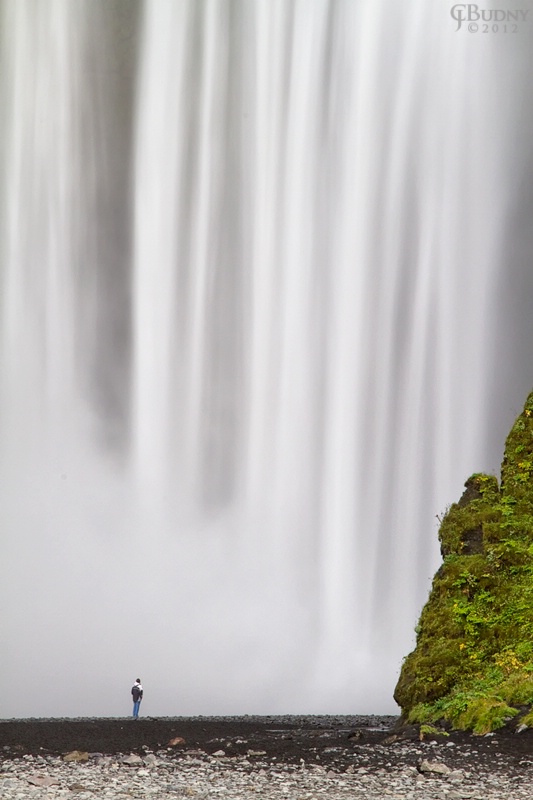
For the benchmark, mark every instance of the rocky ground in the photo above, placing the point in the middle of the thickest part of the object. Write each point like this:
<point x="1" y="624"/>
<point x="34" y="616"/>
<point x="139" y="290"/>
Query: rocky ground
<point x="294" y="758"/>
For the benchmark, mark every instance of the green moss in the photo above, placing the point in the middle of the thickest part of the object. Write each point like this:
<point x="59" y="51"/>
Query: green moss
<point x="432" y="731"/>
<point x="528" y="720"/>
<point x="484" y="714"/>
<point x="473" y="662"/>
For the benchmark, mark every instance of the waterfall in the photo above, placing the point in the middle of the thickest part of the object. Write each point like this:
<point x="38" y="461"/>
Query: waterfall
<point x="253" y="314"/>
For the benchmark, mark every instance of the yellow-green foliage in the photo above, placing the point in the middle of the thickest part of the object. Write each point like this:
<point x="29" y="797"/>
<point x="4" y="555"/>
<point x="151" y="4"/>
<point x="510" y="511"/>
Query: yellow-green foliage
<point x="484" y="714"/>
<point x="473" y="662"/>
<point x="517" y="689"/>
<point x="528" y="720"/>
<point x="431" y="730"/>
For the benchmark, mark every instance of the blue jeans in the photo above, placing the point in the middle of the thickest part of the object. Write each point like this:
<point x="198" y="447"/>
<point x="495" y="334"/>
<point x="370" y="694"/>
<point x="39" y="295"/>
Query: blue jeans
<point x="136" y="706"/>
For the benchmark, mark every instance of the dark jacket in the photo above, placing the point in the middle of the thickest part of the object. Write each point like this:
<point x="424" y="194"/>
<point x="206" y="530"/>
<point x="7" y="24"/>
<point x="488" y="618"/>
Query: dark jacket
<point x="137" y="692"/>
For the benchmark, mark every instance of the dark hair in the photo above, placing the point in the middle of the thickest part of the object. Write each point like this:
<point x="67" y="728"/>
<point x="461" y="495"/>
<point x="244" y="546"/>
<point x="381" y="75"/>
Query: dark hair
<point x="137" y="680"/>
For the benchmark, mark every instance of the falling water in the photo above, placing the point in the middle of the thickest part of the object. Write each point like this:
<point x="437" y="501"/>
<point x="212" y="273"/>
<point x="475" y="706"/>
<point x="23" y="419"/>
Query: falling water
<point x="253" y="312"/>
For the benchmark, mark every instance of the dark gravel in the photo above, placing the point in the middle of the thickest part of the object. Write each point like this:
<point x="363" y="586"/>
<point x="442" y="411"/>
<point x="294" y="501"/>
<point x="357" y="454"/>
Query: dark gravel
<point x="332" y="741"/>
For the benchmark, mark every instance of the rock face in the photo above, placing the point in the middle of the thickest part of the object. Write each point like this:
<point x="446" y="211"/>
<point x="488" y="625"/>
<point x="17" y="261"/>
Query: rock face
<point x="473" y="662"/>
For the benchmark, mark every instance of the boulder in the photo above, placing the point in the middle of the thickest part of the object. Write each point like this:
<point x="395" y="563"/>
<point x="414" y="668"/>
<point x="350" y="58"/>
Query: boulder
<point x="433" y="768"/>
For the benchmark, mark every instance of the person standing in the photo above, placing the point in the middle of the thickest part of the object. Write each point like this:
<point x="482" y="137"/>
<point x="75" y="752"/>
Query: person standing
<point x="137" y="694"/>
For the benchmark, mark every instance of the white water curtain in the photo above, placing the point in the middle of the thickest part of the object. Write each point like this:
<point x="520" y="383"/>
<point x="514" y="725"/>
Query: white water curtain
<point x="252" y="259"/>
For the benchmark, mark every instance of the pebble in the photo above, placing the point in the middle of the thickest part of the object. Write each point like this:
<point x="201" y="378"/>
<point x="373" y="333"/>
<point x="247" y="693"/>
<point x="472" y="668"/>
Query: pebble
<point x="202" y="777"/>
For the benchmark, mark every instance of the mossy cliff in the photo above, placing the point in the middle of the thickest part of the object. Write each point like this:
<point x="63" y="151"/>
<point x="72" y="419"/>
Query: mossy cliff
<point x="473" y="662"/>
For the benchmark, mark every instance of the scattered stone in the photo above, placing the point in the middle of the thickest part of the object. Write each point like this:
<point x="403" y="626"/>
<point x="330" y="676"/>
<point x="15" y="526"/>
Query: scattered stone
<point x="42" y="780"/>
<point x="456" y="776"/>
<point x="521" y="728"/>
<point x="132" y="760"/>
<point x="177" y="740"/>
<point x="433" y="768"/>
<point x="368" y="770"/>
<point x="76" y="755"/>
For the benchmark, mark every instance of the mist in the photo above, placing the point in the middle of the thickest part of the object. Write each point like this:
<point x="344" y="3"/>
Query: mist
<point x="265" y="292"/>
